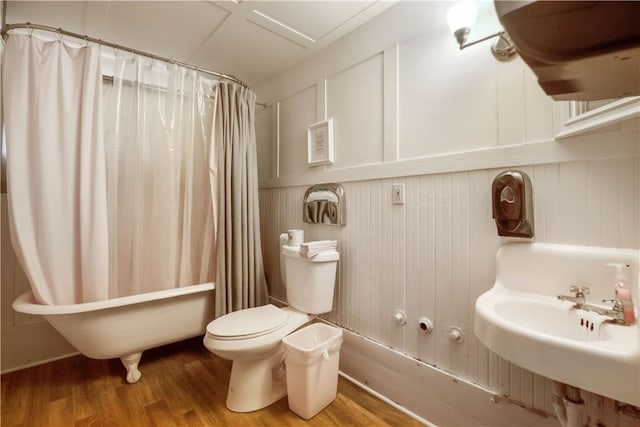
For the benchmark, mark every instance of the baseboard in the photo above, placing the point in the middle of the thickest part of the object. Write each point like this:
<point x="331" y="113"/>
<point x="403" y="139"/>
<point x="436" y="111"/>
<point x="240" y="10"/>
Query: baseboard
<point x="428" y="394"/>
<point x="386" y="400"/>
<point x="39" y="362"/>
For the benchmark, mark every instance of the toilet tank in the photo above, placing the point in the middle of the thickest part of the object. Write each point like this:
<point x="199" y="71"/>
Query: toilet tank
<point x="310" y="281"/>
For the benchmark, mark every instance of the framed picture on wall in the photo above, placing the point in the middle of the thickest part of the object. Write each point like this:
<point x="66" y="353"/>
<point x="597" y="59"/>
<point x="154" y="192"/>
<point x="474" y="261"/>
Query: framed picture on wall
<point x="320" y="143"/>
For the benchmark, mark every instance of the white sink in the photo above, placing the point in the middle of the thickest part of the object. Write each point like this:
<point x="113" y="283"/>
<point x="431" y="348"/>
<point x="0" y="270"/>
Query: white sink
<point x="522" y="320"/>
<point x="549" y="317"/>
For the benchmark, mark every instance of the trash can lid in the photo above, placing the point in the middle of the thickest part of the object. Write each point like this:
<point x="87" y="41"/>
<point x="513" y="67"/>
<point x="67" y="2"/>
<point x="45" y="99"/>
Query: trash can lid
<point x="313" y="338"/>
<point x="248" y="323"/>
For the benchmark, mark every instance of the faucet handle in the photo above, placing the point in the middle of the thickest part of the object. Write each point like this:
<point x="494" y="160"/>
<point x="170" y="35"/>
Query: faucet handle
<point x="617" y="304"/>
<point x="579" y="290"/>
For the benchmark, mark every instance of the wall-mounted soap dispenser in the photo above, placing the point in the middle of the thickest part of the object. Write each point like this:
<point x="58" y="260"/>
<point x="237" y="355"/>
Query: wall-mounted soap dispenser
<point x="513" y="204"/>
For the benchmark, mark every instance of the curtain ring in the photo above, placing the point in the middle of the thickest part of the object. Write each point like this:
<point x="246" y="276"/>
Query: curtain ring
<point x="60" y="34"/>
<point x="86" y="41"/>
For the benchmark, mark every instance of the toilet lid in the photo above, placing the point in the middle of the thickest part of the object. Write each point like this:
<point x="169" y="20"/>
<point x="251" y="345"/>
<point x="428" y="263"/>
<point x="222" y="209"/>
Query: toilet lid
<point x="248" y="323"/>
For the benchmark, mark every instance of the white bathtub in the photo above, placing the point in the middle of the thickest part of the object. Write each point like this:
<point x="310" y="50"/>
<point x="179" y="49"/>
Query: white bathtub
<point x="125" y="327"/>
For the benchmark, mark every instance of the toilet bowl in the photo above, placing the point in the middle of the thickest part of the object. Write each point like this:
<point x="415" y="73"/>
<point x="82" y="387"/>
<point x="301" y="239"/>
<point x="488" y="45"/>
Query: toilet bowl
<point x="252" y="338"/>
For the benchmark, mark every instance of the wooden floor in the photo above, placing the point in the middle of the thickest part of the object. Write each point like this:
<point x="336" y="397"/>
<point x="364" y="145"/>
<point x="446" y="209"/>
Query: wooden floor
<point x="182" y="384"/>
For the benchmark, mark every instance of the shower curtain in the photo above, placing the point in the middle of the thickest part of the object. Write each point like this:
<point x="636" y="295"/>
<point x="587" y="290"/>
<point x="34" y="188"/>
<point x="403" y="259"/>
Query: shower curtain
<point x="138" y="185"/>
<point x="146" y="183"/>
<point x="56" y="185"/>
<point x="158" y="137"/>
<point x="131" y="186"/>
<point x="241" y="281"/>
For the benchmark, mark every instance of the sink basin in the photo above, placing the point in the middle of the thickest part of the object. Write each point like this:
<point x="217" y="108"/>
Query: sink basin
<point x="548" y="317"/>
<point x="521" y="319"/>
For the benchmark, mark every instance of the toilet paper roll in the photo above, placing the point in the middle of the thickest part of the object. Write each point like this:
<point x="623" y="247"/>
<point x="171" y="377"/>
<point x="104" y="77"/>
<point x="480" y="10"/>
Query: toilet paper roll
<point x="296" y="237"/>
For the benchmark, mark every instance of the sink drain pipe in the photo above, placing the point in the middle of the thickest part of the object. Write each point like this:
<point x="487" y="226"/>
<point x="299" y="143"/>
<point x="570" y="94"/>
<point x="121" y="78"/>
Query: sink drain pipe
<point x="568" y="405"/>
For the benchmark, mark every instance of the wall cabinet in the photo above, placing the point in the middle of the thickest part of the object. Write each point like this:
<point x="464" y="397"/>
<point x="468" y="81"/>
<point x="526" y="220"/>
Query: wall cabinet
<point x="576" y="118"/>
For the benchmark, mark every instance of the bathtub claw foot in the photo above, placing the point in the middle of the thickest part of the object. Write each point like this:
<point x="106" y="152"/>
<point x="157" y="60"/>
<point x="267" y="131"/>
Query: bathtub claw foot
<point x="130" y="362"/>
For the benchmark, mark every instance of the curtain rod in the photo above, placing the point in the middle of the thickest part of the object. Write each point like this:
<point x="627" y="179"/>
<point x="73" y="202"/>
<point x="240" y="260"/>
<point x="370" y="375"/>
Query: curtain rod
<point x="85" y="38"/>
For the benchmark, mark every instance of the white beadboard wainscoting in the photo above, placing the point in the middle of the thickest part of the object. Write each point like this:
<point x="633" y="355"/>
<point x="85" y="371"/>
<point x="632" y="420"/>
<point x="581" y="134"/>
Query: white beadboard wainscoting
<point x="434" y="396"/>
<point x="434" y="255"/>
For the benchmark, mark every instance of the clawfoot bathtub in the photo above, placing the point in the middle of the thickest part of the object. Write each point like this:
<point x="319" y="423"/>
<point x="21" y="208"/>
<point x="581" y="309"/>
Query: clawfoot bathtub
<point x="124" y="327"/>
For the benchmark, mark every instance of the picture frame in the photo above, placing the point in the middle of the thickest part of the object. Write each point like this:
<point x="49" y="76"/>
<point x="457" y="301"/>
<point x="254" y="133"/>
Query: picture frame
<point x="320" y="148"/>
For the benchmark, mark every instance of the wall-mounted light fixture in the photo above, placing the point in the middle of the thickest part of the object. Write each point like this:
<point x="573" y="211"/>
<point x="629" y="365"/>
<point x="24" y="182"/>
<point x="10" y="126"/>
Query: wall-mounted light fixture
<point x="462" y="15"/>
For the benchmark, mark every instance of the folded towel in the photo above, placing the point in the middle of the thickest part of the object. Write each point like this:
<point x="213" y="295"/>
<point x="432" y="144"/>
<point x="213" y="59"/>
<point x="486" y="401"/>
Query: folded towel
<point x="311" y="249"/>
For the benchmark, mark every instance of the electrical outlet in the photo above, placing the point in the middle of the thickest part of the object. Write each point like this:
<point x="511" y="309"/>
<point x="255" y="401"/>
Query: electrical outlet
<point x="397" y="194"/>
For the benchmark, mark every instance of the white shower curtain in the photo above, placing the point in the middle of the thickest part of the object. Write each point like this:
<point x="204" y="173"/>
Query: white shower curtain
<point x="158" y="138"/>
<point x="113" y="188"/>
<point x="108" y="186"/>
<point x="52" y="100"/>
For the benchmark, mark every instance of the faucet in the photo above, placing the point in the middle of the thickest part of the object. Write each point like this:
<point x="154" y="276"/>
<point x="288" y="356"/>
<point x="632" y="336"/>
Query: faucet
<point x="615" y="313"/>
<point x="579" y="299"/>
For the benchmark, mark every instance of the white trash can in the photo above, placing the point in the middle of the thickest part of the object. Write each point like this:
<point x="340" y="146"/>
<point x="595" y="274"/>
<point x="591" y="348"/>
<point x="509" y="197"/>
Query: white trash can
<point x="312" y="355"/>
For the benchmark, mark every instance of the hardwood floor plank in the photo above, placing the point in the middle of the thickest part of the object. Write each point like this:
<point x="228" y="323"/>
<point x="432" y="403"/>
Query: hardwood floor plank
<point x="60" y="413"/>
<point x="190" y="419"/>
<point x="133" y="400"/>
<point x="87" y="392"/>
<point x="15" y="394"/>
<point x="38" y="399"/>
<point x="182" y="384"/>
<point x="107" y="407"/>
<point x="91" y="421"/>
<point x="160" y="415"/>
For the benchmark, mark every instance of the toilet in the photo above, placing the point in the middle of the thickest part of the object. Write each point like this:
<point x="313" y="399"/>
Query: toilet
<point x="252" y="338"/>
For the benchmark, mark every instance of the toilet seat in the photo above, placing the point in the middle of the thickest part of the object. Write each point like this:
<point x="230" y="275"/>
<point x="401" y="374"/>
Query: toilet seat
<point x="247" y="323"/>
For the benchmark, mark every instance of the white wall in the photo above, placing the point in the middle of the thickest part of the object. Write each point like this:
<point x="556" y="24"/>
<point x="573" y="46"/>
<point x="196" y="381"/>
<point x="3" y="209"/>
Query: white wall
<point x="26" y="339"/>
<point x="410" y="108"/>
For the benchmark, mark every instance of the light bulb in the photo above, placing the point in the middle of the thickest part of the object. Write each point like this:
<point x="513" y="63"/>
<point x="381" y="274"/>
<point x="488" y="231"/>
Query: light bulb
<point x="462" y="15"/>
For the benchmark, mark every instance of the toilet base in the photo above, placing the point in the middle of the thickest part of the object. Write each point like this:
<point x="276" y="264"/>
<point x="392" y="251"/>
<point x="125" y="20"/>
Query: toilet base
<point x="257" y="383"/>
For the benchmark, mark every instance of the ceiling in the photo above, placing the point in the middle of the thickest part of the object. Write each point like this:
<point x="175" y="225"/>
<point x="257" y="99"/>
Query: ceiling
<point x="251" y="40"/>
